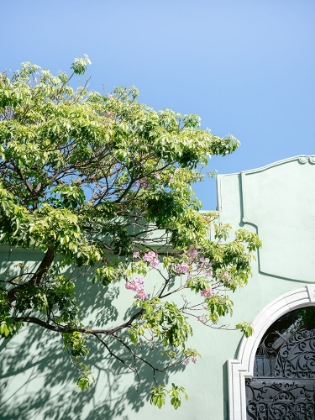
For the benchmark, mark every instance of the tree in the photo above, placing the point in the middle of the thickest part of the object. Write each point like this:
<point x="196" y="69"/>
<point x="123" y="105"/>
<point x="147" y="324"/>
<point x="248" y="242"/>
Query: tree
<point x="103" y="183"/>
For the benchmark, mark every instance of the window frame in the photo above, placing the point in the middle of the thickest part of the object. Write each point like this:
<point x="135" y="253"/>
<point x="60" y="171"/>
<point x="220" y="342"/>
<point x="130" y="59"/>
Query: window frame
<point x="241" y="368"/>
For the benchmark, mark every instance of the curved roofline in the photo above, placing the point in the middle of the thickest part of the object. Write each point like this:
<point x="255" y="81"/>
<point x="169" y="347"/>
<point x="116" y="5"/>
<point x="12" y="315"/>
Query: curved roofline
<point x="301" y="158"/>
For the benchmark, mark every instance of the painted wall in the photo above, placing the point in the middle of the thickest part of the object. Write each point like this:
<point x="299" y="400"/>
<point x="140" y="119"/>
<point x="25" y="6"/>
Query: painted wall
<point x="278" y="202"/>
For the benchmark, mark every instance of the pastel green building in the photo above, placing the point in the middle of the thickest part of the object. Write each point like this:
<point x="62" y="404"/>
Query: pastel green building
<point x="277" y="202"/>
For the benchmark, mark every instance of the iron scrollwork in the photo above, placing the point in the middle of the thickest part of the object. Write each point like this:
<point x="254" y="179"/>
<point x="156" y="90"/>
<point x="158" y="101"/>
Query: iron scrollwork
<point x="271" y="399"/>
<point x="283" y="386"/>
<point x="296" y="358"/>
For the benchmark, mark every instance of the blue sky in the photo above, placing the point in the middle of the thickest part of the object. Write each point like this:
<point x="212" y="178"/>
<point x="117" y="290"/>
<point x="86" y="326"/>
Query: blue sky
<point x="246" y="67"/>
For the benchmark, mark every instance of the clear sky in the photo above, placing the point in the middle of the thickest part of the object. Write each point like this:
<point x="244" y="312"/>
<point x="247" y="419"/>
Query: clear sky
<point x="245" y="66"/>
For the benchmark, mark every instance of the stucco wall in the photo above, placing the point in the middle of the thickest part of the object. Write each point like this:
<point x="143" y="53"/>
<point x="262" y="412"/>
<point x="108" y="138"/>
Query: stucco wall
<point x="276" y="201"/>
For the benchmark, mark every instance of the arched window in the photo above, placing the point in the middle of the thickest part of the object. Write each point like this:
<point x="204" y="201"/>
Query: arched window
<point x="252" y="359"/>
<point x="283" y="383"/>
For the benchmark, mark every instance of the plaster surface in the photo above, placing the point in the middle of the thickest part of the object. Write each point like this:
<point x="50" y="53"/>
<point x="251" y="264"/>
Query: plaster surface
<point x="277" y="201"/>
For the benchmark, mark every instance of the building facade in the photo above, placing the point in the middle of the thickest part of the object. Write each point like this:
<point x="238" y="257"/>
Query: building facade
<point x="277" y="202"/>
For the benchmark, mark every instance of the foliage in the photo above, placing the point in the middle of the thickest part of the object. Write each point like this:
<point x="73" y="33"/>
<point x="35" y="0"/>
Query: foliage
<point x="103" y="182"/>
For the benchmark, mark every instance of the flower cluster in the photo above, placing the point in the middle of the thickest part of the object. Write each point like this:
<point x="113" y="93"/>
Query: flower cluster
<point x="152" y="258"/>
<point x="224" y="276"/>
<point x="227" y="277"/>
<point x="192" y="253"/>
<point x="190" y="359"/>
<point x="137" y="285"/>
<point x="141" y="294"/>
<point x="206" y="293"/>
<point x="181" y="268"/>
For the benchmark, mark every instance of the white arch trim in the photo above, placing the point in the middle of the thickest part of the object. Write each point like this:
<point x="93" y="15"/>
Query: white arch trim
<point x="242" y="367"/>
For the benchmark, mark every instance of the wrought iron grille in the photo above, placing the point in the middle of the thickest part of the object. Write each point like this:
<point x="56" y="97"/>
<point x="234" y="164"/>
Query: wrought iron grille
<point x="280" y="399"/>
<point x="283" y="386"/>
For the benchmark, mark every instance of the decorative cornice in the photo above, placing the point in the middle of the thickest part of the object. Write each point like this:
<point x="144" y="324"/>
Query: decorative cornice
<point x="302" y="159"/>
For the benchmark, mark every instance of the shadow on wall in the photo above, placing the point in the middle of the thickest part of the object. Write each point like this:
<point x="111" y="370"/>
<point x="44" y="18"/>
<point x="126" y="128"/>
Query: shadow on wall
<point x="38" y="382"/>
<point x="42" y="385"/>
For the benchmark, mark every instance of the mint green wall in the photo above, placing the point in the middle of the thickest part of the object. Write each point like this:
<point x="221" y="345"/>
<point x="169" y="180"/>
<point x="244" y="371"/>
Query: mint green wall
<point x="278" y="201"/>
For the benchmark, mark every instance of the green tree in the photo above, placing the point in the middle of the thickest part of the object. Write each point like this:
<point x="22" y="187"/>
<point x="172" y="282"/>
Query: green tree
<point x="103" y="182"/>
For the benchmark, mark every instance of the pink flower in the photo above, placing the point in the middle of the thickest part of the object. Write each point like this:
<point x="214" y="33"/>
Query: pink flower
<point x="209" y="273"/>
<point x="204" y="260"/>
<point x="182" y="268"/>
<point x="136" y="255"/>
<point x="149" y="256"/>
<point x="137" y="284"/>
<point x="157" y="176"/>
<point x="141" y="295"/>
<point x="152" y="258"/>
<point x="154" y="263"/>
<point x="226" y="277"/>
<point x="199" y="318"/>
<point x="130" y="286"/>
<point x="207" y="293"/>
<point x="192" y="252"/>
<point x="171" y="180"/>
<point x="186" y="361"/>
<point x="194" y="360"/>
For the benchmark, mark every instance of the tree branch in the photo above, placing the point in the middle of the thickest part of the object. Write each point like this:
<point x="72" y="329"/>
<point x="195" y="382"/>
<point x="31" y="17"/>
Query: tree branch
<point x="134" y="369"/>
<point x="37" y="277"/>
<point x="61" y="329"/>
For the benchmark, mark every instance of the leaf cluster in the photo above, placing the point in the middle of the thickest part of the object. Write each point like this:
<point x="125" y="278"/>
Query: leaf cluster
<point x="89" y="178"/>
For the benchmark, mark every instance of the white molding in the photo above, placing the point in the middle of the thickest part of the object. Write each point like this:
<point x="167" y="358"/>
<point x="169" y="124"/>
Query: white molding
<point x="242" y="367"/>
